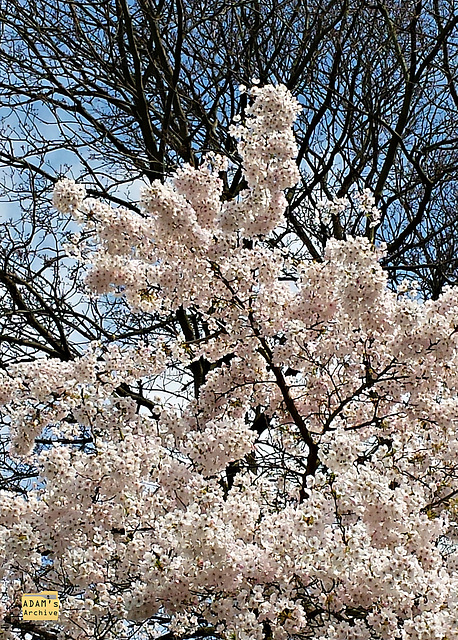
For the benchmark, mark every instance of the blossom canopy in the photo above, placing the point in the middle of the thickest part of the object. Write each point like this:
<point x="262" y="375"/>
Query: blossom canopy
<point x="176" y="512"/>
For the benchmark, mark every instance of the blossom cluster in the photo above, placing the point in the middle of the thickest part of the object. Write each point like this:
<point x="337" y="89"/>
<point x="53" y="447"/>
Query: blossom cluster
<point x="365" y="205"/>
<point x="335" y="519"/>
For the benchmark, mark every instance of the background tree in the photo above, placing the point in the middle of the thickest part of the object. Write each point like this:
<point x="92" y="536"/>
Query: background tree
<point x="124" y="90"/>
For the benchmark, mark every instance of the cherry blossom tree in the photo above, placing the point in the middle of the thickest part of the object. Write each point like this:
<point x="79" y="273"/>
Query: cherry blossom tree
<point x="284" y="466"/>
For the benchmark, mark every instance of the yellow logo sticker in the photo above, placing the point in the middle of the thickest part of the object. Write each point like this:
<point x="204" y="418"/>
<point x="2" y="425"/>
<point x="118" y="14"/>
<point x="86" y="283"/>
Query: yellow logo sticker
<point x="40" y="606"/>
